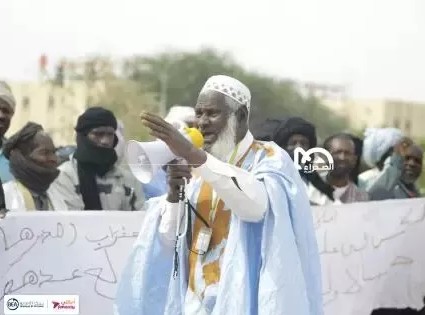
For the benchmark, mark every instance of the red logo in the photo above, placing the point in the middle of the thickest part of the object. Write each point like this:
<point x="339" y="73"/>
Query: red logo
<point x="68" y="304"/>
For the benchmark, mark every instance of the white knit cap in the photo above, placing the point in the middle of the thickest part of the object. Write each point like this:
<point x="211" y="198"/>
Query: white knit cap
<point x="229" y="87"/>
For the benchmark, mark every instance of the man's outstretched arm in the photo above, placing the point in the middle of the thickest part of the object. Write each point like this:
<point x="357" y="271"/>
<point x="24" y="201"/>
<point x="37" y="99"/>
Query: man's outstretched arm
<point x="240" y="190"/>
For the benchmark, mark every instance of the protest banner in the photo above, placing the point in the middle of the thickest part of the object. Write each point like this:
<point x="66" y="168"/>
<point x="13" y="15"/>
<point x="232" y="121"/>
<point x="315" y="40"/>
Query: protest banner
<point x="67" y="253"/>
<point x="371" y="255"/>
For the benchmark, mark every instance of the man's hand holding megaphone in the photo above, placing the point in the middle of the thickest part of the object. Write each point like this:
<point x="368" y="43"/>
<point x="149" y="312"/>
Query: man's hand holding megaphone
<point x="177" y="143"/>
<point x="180" y="146"/>
<point x="177" y="170"/>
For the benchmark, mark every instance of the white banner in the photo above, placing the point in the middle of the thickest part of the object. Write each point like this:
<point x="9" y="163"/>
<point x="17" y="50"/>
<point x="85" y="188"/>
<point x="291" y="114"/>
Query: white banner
<point x="66" y="253"/>
<point x="372" y="255"/>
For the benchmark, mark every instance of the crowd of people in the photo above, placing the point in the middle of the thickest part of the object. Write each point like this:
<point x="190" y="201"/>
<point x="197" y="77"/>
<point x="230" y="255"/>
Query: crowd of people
<point x="393" y="160"/>
<point x="249" y="171"/>
<point x="92" y="174"/>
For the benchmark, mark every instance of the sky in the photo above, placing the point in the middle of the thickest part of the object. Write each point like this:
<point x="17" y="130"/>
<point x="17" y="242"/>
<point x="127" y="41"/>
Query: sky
<point x="375" y="47"/>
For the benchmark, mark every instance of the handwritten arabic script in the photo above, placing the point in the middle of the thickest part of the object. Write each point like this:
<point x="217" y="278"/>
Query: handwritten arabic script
<point x="66" y="254"/>
<point x="371" y="255"/>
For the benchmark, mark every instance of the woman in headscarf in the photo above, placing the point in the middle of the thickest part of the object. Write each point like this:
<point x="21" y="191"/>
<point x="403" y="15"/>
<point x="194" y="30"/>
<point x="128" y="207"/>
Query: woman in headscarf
<point x="33" y="163"/>
<point x="289" y="134"/>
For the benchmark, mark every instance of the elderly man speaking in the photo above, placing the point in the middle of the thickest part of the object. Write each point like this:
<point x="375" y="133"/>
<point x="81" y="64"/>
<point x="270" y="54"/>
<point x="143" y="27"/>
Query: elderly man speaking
<point x="250" y="247"/>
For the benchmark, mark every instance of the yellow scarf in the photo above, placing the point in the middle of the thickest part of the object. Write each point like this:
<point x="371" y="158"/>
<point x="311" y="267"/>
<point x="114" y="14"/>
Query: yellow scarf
<point x="220" y="229"/>
<point x="28" y="199"/>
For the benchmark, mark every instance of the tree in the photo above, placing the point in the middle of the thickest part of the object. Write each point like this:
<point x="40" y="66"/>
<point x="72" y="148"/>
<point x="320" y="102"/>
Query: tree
<point x="185" y="74"/>
<point x="160" y="81"/>
<point x="127" y="99"/>
<point x="108" y="88"/>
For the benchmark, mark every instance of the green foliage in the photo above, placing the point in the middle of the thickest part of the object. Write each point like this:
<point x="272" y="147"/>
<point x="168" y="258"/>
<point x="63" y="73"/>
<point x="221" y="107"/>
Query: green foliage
<point x="144" y="82"/>
<point x="186" y="73"/>
<point x="127" y="99"/>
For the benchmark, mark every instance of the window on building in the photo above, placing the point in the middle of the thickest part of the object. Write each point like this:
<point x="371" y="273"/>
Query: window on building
<point x="396" y="123"/>
<point x="51" y="102"/>
<point x="25" y="102"/>
<point x="407" y="127"/>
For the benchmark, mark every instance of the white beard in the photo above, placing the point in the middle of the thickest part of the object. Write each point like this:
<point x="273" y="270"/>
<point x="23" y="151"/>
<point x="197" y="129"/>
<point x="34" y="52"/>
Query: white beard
<point x="226" y="141"/>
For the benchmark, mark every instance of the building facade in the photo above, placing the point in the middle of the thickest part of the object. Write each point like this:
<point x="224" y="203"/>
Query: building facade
<point x="363" y="113"/>
<point x="404" y="115"/>
<point x="55" y="107"/>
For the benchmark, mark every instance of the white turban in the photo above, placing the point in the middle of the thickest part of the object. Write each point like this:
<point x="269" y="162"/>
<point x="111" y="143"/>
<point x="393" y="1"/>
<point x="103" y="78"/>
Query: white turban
<point x="229" y="87"/>
<point x="377" y="141"/>
<point x="6" y="95"/>
<point x="180" y="116"/>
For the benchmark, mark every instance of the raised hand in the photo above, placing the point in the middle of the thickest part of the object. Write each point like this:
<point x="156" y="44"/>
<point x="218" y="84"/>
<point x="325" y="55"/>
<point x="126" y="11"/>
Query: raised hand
<point x="177" y="143"/>
<point x="402" y="145"/>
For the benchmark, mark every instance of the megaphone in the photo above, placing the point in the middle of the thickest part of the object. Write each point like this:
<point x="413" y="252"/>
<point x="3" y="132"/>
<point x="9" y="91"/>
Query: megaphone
<point x="146" y="158"/>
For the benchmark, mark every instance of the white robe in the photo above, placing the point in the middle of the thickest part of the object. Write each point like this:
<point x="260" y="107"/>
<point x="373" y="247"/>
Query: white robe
<point x="15" y="200"/>
<point x="268" y="267"/>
